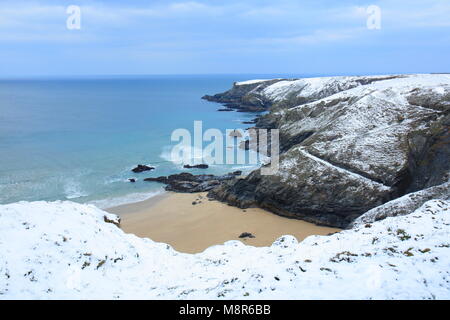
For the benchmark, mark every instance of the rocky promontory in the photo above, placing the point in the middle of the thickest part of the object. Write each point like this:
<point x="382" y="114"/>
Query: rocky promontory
<point x="244" y="96"/>
<point x="348" y="144"/>
<point x="189" y="183"/>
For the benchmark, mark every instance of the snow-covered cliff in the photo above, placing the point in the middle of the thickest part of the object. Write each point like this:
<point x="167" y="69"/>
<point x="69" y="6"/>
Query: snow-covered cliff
<point x="64" y="250"/>
<point x="348" y="144"/>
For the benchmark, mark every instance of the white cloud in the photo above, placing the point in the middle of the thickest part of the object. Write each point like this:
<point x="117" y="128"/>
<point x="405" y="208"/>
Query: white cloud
<point x="320" y="36"/>
<point x="422" y="14"/>
<point x="284" y="22"/>
<point x="189" y="6"/>
<point x="29" y="15"/>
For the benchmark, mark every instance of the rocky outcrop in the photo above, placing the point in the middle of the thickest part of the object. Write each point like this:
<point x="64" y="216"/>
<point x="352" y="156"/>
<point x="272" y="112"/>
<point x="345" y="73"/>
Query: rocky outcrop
<point x="189" y="183"/>
<point x="109" y="218"/>
<point x="244" y="96"/>
<point x="142" y="168"/>
<point x="196" y="166"/>
<point x="349" y="144"/>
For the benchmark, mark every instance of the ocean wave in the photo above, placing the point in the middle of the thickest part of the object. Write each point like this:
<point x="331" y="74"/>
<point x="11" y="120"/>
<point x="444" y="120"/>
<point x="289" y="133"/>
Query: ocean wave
<point x="127" y="199"/>
<point x="114" y="180"/>
<point x="72" y="190"/>
<point x="166" y="154"/>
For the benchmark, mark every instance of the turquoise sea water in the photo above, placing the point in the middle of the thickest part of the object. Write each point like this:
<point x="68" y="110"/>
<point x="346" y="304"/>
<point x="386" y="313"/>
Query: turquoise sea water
<point x="78" y="139"/>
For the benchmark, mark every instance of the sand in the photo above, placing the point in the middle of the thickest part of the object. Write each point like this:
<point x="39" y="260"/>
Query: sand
<point x="172" y="218"/>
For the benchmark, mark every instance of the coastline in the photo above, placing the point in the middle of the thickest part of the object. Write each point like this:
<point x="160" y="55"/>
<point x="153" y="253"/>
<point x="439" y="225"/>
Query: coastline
<point x="173" y="219"/>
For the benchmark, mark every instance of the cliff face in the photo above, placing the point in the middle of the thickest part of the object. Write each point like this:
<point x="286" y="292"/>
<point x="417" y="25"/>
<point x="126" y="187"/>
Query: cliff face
<point x="348" y="144"/>
<point x="245" y="96"/>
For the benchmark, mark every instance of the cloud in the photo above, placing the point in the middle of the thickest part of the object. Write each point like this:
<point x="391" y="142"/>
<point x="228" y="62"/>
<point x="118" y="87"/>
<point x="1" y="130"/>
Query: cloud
<point x="190" y="6"/>
<point x="22" y="15"/>
<point x="196" y="31"/>
<point x="231" y="18"/>
<point x="423" y="14"/>
<point x="317" y="37"/>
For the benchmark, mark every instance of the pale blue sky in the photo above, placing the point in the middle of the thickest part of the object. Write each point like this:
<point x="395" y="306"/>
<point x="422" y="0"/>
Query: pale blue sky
<point x="313" y="37"/>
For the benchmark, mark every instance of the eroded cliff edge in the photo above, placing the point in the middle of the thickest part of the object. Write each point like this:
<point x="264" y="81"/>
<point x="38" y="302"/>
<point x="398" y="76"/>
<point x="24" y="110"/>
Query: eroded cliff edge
<point x="349" y="144"/>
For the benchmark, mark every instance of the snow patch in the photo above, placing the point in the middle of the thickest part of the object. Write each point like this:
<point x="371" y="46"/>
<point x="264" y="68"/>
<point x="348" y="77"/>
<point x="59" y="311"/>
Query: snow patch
<point x="255" y="81"/>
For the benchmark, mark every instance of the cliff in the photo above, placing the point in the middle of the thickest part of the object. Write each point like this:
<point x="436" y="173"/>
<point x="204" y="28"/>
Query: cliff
<point x="349" y="144"/>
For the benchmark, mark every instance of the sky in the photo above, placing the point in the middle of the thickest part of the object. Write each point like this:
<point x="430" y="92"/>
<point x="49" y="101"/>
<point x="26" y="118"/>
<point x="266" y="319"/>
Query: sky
<point x="142" y="37"/>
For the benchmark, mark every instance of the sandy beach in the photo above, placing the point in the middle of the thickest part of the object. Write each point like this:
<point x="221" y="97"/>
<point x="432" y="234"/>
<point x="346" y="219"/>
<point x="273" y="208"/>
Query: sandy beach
<point x="172" y="218"/>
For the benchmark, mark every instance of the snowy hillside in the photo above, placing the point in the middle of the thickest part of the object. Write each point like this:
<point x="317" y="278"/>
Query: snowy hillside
<point x="309" y="89"/>
<point x="347" y="144"/>
<point x="67" y="250"/>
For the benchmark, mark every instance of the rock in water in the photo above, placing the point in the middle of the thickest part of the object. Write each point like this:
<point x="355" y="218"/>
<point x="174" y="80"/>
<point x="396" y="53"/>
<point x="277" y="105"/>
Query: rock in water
<point x="197" y="166"/>
<point x="132" y="180"/>
<point x="141" y="168"/>
<point x="348" y="144"/>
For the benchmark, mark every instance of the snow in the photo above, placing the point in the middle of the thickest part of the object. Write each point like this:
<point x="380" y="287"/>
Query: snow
<point x="318" y="88"/>
<point x="248" y="82"/>
<point x="63" y="250"/>
<point x="364" y="128"/>
<point x="314" y="88"/>
<point x="404" y="205"/>
<point x="439" y="90"/>
<point x="352" y="175"/>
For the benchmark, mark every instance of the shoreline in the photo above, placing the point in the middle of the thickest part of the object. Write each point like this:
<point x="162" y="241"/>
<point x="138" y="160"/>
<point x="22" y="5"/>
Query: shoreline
<point x="172" y="218"/>
<point x="130" y="207"/>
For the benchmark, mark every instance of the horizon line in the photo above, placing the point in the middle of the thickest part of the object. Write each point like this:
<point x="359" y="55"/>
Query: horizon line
<point x="138" y="75"/>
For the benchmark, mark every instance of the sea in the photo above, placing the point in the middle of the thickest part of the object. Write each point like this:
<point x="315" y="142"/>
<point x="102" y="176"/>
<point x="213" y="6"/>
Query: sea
<point x="78" y="138"/>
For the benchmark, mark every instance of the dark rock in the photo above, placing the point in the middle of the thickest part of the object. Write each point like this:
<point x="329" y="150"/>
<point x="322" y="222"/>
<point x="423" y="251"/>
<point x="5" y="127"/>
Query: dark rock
<point x="225" y="110"/>
<point x="114" y="222"/>
<point x="246" y="235"/>
<point x="141" y="168"/>
<point x="159" y="179"/>
<point x="429" y="157"/>
<point x="132" y="180"/>
<point x="197" y="166"/>
<point x="188" y="183"/>
<point x="185" y="176"/>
